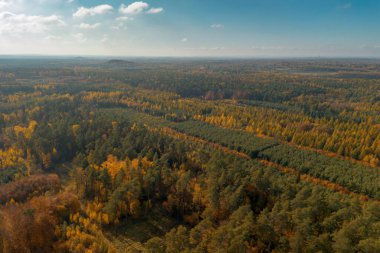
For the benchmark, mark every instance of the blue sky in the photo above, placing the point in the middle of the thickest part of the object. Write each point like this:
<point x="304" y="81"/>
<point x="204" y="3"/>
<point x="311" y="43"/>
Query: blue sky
<point x="232" y="28"/>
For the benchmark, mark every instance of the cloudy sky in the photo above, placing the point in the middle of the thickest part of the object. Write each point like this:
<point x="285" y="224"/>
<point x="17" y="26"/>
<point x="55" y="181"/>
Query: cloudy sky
<point x="242" y="28"/>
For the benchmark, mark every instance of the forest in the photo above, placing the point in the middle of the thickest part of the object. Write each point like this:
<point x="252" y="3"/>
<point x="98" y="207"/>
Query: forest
<point x="189" y="155"/>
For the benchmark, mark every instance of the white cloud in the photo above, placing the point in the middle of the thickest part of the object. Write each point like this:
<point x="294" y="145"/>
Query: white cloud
<point x="10" y="5"/>
<point x="134" y="8"/>
<point x="155" y="10"/>
<point x="139" y="7"/>
<point x="184" y="40"/>
<point x="217" y="26"/>
<point x="18" y="24"/>
<point x="79" y="37"/>
<point x="121" y="19"/>
<point x="104" y="39"/>
<point x="100" y="9"/>
<point x="4" y="3"/>
<point x="52" y="37"/>
<point x="89" y="26"/>
<point x="119" y="26"/>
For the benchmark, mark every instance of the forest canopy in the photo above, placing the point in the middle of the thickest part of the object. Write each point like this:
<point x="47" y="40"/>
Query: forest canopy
<point x="186" y="155"/>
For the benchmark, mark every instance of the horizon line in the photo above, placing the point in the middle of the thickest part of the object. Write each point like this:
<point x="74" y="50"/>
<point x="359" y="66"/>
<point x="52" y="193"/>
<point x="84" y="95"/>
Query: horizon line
<point x="2" y="56"/>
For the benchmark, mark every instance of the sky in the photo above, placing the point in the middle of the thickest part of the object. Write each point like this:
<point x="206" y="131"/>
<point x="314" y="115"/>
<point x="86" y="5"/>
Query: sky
<point x="191" y="28"/>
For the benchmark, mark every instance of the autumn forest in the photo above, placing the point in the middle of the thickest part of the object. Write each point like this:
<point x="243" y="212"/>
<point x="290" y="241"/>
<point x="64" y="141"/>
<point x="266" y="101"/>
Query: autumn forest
<point x="189" y="155"/>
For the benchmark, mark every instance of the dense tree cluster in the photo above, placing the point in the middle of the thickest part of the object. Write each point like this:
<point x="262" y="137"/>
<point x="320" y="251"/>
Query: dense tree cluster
<point x="189" y="156"/>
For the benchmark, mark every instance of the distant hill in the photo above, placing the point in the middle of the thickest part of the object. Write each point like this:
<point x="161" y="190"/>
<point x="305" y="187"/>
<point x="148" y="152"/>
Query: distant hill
<point x="119" y="62"/>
